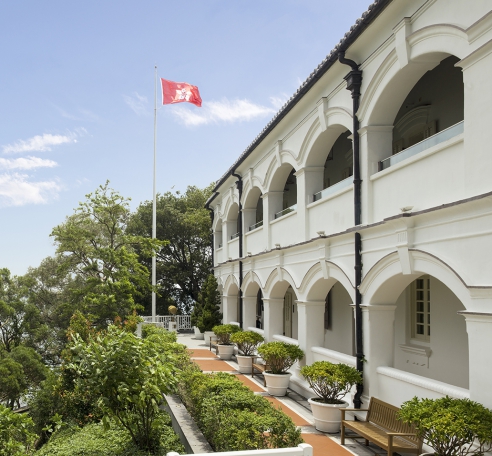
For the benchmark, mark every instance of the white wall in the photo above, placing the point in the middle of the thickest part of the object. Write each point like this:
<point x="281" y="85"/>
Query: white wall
<point x="448" y="361"/>
<point x="340" y="335"/>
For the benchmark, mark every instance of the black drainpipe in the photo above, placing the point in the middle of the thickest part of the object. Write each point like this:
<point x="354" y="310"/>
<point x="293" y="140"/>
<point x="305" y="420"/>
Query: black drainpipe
<point x="207" y="206"/>
<point x="354" y="80"/>
<point x="239" y="184"/>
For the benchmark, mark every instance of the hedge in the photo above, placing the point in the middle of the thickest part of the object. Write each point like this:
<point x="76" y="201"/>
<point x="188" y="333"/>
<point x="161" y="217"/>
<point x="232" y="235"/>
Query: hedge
<point x="232" y="417"/>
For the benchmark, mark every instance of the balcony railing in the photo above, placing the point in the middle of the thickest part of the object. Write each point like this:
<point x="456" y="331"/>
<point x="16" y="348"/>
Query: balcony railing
<point x="333" y="189"/>
<point x="438" y="138"/>
<point x="219" y="246"/>
<point x="286" y="211"/>
<point x="256" y="225"/>
<point x="234" y="236"/>
<point x="182" y="321"/>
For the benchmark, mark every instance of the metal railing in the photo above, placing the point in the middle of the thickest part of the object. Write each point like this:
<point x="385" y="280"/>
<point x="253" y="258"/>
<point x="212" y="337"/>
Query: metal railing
<point x="256" y="225"/>
<point x="438" y="138"/>
<point x="235" y="235"/>
<point x="182" y="321"/>
<point x="286" y="211"/>
<point x="333" y="189"/>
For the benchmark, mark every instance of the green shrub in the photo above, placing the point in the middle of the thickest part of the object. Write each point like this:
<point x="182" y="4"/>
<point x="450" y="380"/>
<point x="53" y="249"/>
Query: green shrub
<point x="223" y="333"/>
<point x="247" y="341"/>
<point x="16" y="433"/>
<point x="331" y="382"/>
<point x="280" y="356"/>
<point x="206" y="313"/>
<point x="93" y="440"/>
<point x="232" y="417"/>
<point x="450" y="426"/>
<point x="167" y="336"/>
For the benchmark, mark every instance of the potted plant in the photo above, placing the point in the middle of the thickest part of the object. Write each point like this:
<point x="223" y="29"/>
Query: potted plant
<point x="206" y="313"/>
<point x="247" y="342"/>
<point x="195" y="314"/>
<point x="280" y="357"/>
<point x="452" y="427"/>
<point x="331" y="382"/>
<point x="224" y="344"/>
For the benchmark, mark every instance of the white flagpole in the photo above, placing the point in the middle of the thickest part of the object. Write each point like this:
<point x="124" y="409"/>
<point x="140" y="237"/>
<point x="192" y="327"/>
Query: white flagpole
<point x="154" y="201"/>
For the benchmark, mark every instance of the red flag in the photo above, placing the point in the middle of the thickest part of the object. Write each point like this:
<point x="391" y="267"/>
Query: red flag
<point x="178" y="92"/>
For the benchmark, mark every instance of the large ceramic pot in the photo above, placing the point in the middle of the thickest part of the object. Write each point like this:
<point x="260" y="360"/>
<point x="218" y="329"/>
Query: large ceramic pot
<point x="277" y="384"/>
<point x="245" y="363"/>
<point x="207" y="335"/>
<point x="225" y="351"/>
<point x="198" y="335"/>
<point x="327" y="417"/>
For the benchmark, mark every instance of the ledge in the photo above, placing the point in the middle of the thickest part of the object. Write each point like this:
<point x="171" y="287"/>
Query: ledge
<point x="424" y="382"/>
<point x="416" y="350"/>
<point x="183" y="424"/>
<point x="336" y="356"/>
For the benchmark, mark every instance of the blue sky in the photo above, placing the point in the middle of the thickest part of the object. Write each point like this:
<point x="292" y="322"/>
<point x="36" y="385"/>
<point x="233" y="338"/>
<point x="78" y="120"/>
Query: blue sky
<point x="77" y="91"/>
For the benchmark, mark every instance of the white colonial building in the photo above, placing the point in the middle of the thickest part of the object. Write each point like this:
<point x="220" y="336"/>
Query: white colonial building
<point x="367" y="238"/>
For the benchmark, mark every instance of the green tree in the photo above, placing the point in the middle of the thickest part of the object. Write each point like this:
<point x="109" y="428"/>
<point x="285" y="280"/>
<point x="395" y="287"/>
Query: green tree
<point x="129" y="375"/>
<point x="16" y="436"/>
<point x="183" y="263"/>
<point x="206" y="313"/>
<point x="94" y="245"/>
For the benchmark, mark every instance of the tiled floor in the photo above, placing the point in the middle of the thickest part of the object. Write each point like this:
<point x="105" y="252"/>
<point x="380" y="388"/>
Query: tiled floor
<point x="293" y="404"/>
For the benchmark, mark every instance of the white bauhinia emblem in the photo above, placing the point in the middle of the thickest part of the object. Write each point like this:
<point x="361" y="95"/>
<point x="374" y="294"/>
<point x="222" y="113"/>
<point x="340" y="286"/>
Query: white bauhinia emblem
<point x="183" y="94"/>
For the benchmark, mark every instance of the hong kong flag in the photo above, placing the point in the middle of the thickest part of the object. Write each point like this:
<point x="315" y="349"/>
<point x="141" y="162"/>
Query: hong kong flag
<point x="179" y="92"/>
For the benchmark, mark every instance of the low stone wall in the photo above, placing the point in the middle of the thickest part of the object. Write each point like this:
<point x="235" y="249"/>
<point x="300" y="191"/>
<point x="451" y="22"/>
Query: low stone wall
<point x="183" y="424"/>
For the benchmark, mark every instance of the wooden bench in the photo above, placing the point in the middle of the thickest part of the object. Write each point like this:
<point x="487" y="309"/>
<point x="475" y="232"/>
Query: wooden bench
<point x="262" y="367"/>
<point x="383" y="428"/>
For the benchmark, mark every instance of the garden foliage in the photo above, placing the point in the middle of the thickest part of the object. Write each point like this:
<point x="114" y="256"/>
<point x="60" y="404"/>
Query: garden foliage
<point x="16" y="433"/>
<point x="224" y="332"/>
<point x="452" y="427"/>
<point x="280" y="356"/>
<point x="247" y="341"/>
<point x="331" y="382"/>
<point x="232" y="417"/>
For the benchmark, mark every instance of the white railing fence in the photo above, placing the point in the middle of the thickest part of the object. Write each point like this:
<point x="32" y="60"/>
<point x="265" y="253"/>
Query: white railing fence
<point x="302" y="449"/>
<point x="182" y="321"/>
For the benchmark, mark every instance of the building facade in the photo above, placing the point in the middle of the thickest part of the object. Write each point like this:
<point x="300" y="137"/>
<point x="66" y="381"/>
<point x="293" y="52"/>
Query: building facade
<point x="366" y="237"/>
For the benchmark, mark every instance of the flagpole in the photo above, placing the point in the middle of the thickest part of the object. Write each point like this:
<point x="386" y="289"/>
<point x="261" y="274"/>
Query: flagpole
<point x="154" y="202"/>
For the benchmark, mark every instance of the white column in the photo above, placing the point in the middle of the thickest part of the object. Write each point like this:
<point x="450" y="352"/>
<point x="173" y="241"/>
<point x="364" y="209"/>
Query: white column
<point x="479" y="328"/>
<point x="230" y="308"/>
<point x="273" y="317"/>
<point x="378" y="338"/>
<point x="308" y="181"/>
<point x="311" y="328"/>
<point x="376" y="144"/>
<point x="272" y="203"/>
<point x="225" y="246"/>
<point x="249" y="311"/>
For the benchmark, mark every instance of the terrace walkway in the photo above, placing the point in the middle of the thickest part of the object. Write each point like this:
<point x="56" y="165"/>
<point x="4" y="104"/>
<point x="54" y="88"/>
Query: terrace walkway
<point x="293" y="404"/>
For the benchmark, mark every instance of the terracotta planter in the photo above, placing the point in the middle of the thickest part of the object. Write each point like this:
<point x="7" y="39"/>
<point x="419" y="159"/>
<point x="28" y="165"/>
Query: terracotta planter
<point x="225" y="351"/>
<point x="327" y="417"/>
<point x="277" y="384"/>
<point x="245" y="363"/>
<point x="207" y="335"/>
<point x="198" y="335"/>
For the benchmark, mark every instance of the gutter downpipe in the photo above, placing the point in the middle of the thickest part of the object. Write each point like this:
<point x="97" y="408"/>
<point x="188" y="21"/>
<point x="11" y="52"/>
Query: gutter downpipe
<point x="239" y="184"/>
<point x="354" y="80"/>
<point x="212" y="214"/>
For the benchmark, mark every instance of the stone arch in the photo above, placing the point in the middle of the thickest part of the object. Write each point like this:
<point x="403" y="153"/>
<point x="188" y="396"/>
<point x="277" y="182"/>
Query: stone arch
<point x="251" y="283"/>
<point x="231" y="285"/>
<point x="338" y="120"/>
<point x="391" y="83"/>
<point x="277" y="283"/>
<point x="276" y="171"/>
<point x="318" y="281"/>
<point x="384" y="282"/>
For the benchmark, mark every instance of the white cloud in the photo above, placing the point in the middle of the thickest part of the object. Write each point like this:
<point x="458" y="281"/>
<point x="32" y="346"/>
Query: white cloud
<point x="40" y="143"/>
<point x="223" y="111"/>
<point x="278" y="102"/>
<point x="26" y="163"/>
<point x="83" y="115"/>
<point x="137" y="103"/>
<point x="17" y="190"/>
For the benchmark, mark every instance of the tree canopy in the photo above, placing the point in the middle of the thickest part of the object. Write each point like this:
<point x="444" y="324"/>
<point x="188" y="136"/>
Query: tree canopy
<point x="93" y="245"/>
<point x="185" y="261"/>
